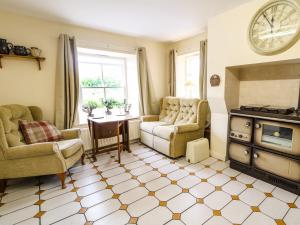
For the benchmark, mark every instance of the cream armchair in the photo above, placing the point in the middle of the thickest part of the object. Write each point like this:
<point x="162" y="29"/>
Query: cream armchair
<point x="20" y="160"/>
<point x="180" y="121"/>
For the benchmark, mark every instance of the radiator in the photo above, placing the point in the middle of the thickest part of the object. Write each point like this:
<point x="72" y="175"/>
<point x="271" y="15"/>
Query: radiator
<point x="134" y="134"/>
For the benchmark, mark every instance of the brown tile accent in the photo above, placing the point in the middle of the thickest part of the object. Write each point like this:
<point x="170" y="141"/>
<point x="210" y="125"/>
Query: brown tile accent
<point x="72" y="181"/>
<point x="151" y="193"/>
<point x="207" y="166"/>
<point x="127" y="171"/>
<point x="176" y="216"/>
<point x="255" y="209"/>
<point x="147" y="164"/>
<point x="192" y="174"/>
<point x="134" y="177"/>
<point x="99" y="173"/>
<point x="217" y="213"/>
<point x="88" y="223"/>
<point x="203" y="180"/>
<point x="39" y="202"/>
<point x="82" y="210"/>
<point x="142" y="185"/>
<point x="95" y="167"/>
<point x="200" y="201"/>
<point x="181" y="167"/>
<point x="269" y="195"/>
<point x="39" y="214"/>
<point x="173" y="162"/>
<point x="235" y="197"/>
<point x="163" y="175"/>
<point x="219" y="171"/>
<point x="218" y="188"/>
<point x="123" y="207"/>
<point x="173" y="182"/>
<point x="1" y="204"/>
<point x="133" y="220"/>
<point x="249" y="185"/>
<point x="103" y="179"/>
<point x="122" y="165"/>
<point x="74" y="190"/>
<point x="109" y="187"/>
<point x="280" y="222"/>
<point x="162" y="203"/>
<point x="155" y="169"/>
<point x="39" y="192"/>
<point x="232" y="178"/>
<point x="185" y="190"/>
<point x="116" y="196"/>
<point x="292" y="205"/>
<point x="78" y="199"/>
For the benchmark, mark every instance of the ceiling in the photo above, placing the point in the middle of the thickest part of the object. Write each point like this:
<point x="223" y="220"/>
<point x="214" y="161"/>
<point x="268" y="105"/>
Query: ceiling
<point x="161" y="20"/>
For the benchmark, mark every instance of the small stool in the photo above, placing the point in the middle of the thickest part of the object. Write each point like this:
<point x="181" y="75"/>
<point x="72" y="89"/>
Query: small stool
<point x="197" y="150"/>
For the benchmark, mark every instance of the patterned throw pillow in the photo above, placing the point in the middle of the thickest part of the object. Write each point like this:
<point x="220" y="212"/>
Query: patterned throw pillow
<point x="39" y="131"/>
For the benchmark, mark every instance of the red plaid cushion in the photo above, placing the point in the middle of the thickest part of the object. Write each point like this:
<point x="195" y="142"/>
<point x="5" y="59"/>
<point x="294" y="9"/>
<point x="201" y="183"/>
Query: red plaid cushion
<point x="39" y="131"/>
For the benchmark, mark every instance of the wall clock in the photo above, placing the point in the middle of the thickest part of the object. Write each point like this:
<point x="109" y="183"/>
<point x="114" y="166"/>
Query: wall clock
<point x="275" y="27"/>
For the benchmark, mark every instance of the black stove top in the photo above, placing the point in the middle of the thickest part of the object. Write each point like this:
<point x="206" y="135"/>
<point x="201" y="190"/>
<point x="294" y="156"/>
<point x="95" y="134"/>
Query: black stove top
<point x="268" y="109"/>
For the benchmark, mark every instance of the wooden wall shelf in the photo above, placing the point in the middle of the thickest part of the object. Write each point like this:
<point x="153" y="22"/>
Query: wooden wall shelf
<point x="37" y="59"/>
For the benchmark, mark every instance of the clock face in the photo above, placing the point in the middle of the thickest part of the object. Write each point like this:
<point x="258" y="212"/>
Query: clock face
<point x="275" y="27"/>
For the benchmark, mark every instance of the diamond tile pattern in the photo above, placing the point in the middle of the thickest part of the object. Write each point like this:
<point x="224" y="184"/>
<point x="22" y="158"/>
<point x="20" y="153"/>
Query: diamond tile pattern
<point x="148" y="188"/>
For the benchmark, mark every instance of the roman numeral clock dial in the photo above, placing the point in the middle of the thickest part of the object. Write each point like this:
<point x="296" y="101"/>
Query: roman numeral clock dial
<point x="275" y="27"/>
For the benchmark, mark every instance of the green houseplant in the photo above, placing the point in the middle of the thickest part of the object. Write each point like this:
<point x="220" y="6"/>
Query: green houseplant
<point x="89" y="106"/>
<point x="109" y="104"/>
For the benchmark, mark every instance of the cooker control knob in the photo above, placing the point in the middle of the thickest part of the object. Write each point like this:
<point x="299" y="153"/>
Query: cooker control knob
<point x="246" y="152"/>
<point x="255" y="155"/>
<point x="232" y="134"/>
<point x="240" y="136"/>
<point x="258" y="125"/>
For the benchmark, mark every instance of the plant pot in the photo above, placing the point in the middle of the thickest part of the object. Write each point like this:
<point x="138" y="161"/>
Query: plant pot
<point x="108" y="112"/>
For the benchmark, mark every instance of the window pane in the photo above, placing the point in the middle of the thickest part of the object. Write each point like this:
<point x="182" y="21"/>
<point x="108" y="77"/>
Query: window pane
<point x="89" y="72"/>
<point x="192" y="76"/>
<point x="115" y="93"/>
<point x="95" y="94"/>
<point x="113" y="75"/>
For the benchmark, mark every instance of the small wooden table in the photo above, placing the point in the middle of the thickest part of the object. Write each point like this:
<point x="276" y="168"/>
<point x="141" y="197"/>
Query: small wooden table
<point x="92" y="122"/>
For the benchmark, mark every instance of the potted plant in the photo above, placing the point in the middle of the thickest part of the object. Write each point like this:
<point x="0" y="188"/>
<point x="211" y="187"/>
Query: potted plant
<point x="109" y="104"/>
<point x="89" y="106"/>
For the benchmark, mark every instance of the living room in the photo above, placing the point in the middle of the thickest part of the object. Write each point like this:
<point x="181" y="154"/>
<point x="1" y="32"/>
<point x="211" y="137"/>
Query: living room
<point x="192" y="87"/>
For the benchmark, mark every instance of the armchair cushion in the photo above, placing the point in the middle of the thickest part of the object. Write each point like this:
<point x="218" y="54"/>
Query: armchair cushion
<point x="183" y="128"/>
<point x="169" y="110"/>
<point x="39" y="131"/>
<point x="149" y="126"/>
<point x="150" y="118"/>
<point x="70" y="147"/>
<point x="164" y="132"/>
<point x="70" y="133"/>
<point x="188" y="111"/>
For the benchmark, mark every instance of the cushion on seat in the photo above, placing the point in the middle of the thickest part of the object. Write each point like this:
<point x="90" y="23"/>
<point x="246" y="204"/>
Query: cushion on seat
<point x="164" y="132"/>
<point x="169" y="110"/>
<point x="149" y="126"/>
<point x="70" y="147"/>
<point x="188" y="111"/>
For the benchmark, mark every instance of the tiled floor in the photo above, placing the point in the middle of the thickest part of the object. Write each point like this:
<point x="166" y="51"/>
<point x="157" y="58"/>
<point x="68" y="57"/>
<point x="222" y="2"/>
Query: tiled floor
<point x="148" y="188"/>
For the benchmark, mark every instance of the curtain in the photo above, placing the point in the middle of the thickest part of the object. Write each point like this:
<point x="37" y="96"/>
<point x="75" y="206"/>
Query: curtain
<point x="203" y="70"/>
<point x="172" y="78"/>
<point x="66" y="83"/>
<point x="144" y="85"/>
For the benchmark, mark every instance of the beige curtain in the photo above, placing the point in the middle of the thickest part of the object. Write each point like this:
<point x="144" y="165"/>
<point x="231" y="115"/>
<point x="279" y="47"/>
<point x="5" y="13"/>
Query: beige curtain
<point x="144" y="85"/>
<point x="172" y="78"/>
<point x="67" y="83"/>
<point x="203" y="70"/>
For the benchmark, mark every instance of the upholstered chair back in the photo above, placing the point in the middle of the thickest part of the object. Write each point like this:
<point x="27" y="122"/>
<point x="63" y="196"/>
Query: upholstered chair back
<point x="188" y="112"/>
<point x="169" y="109"/>
<point x="10" y="115"/>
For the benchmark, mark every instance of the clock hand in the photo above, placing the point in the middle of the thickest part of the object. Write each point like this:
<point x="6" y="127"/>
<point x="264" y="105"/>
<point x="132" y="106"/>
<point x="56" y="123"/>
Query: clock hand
<point x="268" y="20"/>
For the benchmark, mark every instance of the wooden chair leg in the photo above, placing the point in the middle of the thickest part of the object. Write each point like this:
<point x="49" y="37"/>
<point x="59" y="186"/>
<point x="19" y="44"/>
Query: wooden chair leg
<point x="3" y="183"/>
<point x="62" y="177"/>
<point x="82" y="159"/>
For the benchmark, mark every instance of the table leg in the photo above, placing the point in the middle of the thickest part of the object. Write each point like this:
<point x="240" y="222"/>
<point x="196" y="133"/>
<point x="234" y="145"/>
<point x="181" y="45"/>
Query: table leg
<point x="127" y="136"/>
<point x="95" y="147"/>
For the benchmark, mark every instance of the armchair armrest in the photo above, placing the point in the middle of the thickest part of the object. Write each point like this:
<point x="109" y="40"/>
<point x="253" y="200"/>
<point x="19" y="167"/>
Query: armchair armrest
<point x="150" y="118"/>
<point x="33" y="150"/>
<point x="71" y="133"/>
<point x="186" y="128"/>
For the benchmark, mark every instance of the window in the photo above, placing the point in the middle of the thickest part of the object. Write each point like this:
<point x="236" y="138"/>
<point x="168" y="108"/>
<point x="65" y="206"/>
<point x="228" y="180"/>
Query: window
<point x="187" y="75"/>
<point x="104" y="75"/>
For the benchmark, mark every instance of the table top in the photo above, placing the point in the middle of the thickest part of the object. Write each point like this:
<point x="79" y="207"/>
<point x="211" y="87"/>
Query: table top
<point x="112" y="118"/>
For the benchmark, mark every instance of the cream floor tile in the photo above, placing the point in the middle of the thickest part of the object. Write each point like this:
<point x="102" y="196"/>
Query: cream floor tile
<point x="119" y="217"/>
<point x="141" y="151"/>
<point x="80" y="168"/>
<point x="141" y="170"/>
<point x="181" y="202"/>
<point x="196" y="215"/>
<point x="58" y="201"/>
<point x="234" y="187"/>
<point x="142" y="206"/>
<point x="153" y="159"/>
<point x="127" y="160"/>
<point x="246" y="179"/>
<point x="208" y="161"/>
<point x="236" y="212"/>
<point x="219" y="220"/>
<point x="146" y="155"/>
<point x="60" y="213"/>
<point x="175" y="222"/>
<point x="231" y="172"/>
<point x="274" y="208"/>
<point x="119" y="178"/>
<point x="168" y="168"/>
<point x="205" y="173"/>
<point x="19" y="216"/>
<point x="96" y="198"/>
<point x="178" y="174"/>
<point x="108" y="166"/>
<point x="217" y="200"/>
<point x="157" y="184"/>
<point x="168" y="192"/>
<point x="125" y="186"/>
<point x="99" y="211"/>
<point x="259" y="219"/>
<point x="32" y="221"/>
<point x="152" y="175"/>
<point x="284" y="195"/>
<point x="219" y="165"/>
<point x="92" y="188"/>
<point x="160" y="163"/>
<point x="21" y="184"/>
<point x="83" y="174"/>
<point x="182" y="162"/>
<point x="263" y="186"/>
<point x="292" y="217"/>
<point x="113" y="172"/>
<point x="86" y="181"/>
<point x="52" y="182"/>
<point x="297" y="202"/>
<point x="18" y="204"/>
<point x="252" y="197"/>
<point x="219" y="179"/>
<point x="133" y="195"/>
<point x="157" y="216"/>
<point x="77" y="219"/>
<point x="189" y="181"/>
<point x="18" y="194"/>
<point x="202" y="190"/>
<point x="134" y="165"/>
<point x="54" y="192"/>
<point x="194" y="167"/>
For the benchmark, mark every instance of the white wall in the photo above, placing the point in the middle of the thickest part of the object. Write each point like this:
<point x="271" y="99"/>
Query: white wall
<point x="22" y="83"/>
<point x="228" y="46"/>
